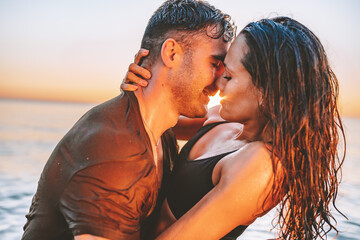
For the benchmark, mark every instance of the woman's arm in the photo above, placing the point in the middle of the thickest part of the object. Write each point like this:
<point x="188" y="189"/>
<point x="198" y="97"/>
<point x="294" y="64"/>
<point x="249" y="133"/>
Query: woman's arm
<point x="237" y="199"/>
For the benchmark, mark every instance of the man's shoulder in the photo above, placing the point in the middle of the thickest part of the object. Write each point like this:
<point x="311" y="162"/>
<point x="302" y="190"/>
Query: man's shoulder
<point x="109" y="131"/>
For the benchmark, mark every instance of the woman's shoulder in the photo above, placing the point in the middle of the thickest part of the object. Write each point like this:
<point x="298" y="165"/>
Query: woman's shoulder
<point x="248" y="176"/>
<point x="253" y="151"/>
<point x="253" y="159"/>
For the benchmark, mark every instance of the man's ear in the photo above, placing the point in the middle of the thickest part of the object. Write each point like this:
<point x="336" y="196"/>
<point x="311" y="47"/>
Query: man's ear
<point x="171" y="53"/>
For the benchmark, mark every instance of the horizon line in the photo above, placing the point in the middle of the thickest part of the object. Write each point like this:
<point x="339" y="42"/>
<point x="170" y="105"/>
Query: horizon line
<point x="98" y="102"/>
<point x="49" y="100"/>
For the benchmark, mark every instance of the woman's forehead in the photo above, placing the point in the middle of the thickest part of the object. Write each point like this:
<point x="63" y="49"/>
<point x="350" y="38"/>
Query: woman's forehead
<point x="236" y="53"/>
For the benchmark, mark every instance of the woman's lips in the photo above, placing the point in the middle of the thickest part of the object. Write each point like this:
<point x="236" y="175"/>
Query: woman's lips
<point x="223" y="101"/>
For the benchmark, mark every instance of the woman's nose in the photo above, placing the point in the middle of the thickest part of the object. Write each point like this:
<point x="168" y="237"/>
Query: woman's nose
<point x="220" y="83"/>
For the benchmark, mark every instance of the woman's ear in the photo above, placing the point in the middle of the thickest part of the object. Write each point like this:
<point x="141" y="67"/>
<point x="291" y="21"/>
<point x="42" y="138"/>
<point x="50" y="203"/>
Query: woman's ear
<point x="261" y="101"/>
<point x="171" y="53"/>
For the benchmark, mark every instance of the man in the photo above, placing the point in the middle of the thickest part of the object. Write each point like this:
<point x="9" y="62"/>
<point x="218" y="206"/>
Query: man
<point x="102" y="181"/>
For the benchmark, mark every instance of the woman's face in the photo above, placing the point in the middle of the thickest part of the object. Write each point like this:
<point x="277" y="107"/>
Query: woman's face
<point x="240" y="98"/>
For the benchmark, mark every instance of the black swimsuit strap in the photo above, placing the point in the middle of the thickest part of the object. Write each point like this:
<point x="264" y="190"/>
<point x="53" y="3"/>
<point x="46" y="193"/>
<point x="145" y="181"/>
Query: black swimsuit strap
<point x="184" y="153"/>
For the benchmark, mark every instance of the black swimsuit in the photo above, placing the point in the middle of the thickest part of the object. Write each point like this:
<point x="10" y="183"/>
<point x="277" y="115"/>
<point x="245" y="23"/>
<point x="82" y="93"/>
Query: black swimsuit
<point x="191" y="180"/>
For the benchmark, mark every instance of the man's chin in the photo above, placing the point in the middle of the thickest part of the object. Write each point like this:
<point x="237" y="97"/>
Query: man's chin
<point x="198" y="112"/>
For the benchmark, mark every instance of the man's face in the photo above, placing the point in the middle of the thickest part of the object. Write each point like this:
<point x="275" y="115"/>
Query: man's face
<point x="194" y="81"/>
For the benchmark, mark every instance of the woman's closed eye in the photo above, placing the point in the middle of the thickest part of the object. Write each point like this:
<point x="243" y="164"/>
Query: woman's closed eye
<point x="227" y="78"/>
<point x="227" y="75"/>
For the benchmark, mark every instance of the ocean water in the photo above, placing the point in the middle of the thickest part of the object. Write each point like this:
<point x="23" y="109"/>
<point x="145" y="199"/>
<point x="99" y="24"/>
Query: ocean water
<point x="29" y="131"/>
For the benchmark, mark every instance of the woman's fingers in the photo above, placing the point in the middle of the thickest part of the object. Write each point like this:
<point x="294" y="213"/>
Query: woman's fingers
<point x="128" y="87"/>
<point x="140" y="54"/>
<point x="140" y="71"/>
<point x="135" y="79"/>
<point x="136" y="75"/>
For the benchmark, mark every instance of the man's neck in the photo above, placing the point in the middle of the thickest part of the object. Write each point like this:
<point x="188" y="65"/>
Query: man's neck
<point x="157" y="112"/>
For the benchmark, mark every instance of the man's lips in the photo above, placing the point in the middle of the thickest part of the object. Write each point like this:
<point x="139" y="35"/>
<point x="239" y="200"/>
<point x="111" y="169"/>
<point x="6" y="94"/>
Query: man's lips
<point x="210" y="93"/>
<point x="221" y="94"/>
<point x="206" y="93"/>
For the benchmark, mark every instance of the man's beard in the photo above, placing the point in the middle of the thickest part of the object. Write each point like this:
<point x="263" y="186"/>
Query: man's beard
<point x="185" y="94"/>
<point x="186" y="98"/>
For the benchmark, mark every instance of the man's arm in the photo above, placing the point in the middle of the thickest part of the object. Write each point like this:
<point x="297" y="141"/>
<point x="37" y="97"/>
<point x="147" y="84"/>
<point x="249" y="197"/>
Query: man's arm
<point x="89" y="237"/>
<point x="166" y="218"/>
<point x="186" y="127"/>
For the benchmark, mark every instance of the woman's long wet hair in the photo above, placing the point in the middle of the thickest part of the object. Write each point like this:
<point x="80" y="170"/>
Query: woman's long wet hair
<point x="289" y="66"/>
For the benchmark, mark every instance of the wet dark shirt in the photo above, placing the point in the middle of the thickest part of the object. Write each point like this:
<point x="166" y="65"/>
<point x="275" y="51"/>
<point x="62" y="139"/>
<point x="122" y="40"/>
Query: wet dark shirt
<point x="191" y="180"/>
<point x="100" y="178"/>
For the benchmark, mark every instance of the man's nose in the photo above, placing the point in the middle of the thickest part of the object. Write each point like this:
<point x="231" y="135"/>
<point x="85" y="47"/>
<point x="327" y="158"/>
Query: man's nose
<point x="212" y="89"/>
<point x="220" y="70"/>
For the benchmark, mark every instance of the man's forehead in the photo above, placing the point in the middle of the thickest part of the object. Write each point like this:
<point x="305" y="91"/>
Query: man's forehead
<point x="214" y="48"/>
<point x="219" y="49"/>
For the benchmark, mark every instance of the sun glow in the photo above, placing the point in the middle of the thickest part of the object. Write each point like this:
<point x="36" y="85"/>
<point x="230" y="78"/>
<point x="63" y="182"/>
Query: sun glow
<point x="215" y="100"/>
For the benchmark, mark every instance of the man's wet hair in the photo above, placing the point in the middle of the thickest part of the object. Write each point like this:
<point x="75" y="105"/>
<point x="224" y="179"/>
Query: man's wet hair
<point x="183" y="20"/>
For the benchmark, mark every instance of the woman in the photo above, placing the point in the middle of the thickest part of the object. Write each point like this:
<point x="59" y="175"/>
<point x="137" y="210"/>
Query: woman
<point x="277" y="145"/>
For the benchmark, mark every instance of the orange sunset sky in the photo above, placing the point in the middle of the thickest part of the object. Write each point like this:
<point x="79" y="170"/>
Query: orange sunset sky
<point x="79" y="50"/>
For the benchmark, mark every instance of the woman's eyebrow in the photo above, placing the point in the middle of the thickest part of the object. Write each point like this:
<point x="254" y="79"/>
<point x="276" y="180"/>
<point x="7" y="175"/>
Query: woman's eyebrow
<point x="227" y="69"/>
